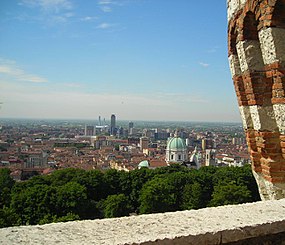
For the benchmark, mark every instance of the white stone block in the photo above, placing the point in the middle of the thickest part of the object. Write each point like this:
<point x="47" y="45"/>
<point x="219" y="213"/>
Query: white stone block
<point x="255" y="117"/>
<point x="246" y="117"/>
<point x="233" y="6"/>
<point x="263" y="118"/>
<point x="268" y="190"/>
<point x="279" y="111"/>
<point x="234" y="65"/>
<point x="272" y="42"/>
<point x="267" y="46"/>
<point x="250" y="56"/>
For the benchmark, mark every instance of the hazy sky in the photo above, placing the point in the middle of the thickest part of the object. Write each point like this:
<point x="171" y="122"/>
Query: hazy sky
<point x="139" y="59"/>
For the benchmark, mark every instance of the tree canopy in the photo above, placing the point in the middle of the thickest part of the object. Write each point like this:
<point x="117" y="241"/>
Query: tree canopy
<point x="74" y="194"/>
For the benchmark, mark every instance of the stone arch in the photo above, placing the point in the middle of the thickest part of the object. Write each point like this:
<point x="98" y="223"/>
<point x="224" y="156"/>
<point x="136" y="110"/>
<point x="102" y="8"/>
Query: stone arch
<point x="232" y="37"/>
<point x="278" y="15"/>
<point x="248" y="46"/>
<point x="250" y="25"/>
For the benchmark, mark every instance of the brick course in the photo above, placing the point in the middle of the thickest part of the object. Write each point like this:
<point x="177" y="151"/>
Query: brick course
<point x="257" y="59"/>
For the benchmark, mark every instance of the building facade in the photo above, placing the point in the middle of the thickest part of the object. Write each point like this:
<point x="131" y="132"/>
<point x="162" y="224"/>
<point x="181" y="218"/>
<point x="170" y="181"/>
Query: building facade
<point x="176" y="151"/>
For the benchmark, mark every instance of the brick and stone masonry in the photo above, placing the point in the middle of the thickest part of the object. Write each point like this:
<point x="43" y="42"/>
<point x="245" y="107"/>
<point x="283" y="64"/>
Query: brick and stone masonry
<point x="256" y="48"/>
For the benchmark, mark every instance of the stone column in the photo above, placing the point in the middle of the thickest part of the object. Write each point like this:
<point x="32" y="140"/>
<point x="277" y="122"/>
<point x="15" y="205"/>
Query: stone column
<point x="256" y="38"/>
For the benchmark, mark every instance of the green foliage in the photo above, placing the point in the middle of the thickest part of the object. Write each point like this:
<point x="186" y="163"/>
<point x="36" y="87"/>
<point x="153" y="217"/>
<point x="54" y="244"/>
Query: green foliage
<point x="241" y="177"/>
<point x="94" y="183"/>
<point x="74" y="194"/>
<point x="112" y="180"/>
<point x="6" y="184"/>
<point x="117" y="147"/>
<point x="64" y="176"/>
<point x="230" y="193"/>
<point x="157" y="195"/>
<point x="54" y="219"/>
<point x="71" y="198"/>
<point x="138" y="178"/>
<point x="8" y="217"/>
<point x="32" y="203"/>
<point x="116" y="206"/>
<point x="192" y="196"/>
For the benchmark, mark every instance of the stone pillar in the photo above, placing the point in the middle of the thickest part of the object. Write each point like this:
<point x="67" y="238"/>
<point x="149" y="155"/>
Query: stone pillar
<point x="256" y="48"/>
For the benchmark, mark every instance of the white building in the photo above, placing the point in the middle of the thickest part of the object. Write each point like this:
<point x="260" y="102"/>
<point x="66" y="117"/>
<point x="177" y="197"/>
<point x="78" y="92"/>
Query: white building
<point x="176" y="151"/>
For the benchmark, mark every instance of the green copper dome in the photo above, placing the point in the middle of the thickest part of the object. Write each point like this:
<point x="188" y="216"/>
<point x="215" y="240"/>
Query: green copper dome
<point x="143" y="164"/>
<point x="176" y="143"/>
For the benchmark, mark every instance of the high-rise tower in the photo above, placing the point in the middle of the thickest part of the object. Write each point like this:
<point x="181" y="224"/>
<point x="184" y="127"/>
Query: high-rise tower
<point x="113" y="125"/>
<point x="131" y="125"/>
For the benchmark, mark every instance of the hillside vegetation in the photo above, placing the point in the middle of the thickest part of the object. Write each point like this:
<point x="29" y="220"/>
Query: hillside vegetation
<point x="74" y="194"/>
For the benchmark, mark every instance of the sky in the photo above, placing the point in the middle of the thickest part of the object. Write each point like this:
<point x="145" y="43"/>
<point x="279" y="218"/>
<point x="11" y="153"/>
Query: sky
<point x="160" y="60"/>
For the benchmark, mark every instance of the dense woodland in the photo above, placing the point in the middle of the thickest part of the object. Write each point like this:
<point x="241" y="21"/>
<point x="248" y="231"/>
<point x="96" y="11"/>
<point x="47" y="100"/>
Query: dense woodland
<point x="74" y="194"/>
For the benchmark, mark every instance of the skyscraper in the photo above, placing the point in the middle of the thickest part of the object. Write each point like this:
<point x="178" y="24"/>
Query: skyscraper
<point x="131" y="125"/>
<point x="113" y="124"/>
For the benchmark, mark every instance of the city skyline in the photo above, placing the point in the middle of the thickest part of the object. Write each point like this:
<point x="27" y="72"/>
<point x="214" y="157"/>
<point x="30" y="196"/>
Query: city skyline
<point x="138" y="59"/>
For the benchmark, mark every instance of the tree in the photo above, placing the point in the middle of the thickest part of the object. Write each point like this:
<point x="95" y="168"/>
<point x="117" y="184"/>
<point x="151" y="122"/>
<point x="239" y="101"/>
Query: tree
<point x="157" y="196"/>
<point x="61" y="177"/>
<point x="6" y="184"/>
<point x="112" y="181"/>
<point x="138" y="178"/>
<point x="72" y="194"/>
<point x="94" y="182"/>
<point x="242" y="176"/>
<point x="230" y="193"/>
<point x="192" y="197"/>
<point x="177" y="180"/>
<point x="116" y="206"/>
<point x="33" y="203"/>
<point x="71" y="198"/>
<point x="8" y="217"/>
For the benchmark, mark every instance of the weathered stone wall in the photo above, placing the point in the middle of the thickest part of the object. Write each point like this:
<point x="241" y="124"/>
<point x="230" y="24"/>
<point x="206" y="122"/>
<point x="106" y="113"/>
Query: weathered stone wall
<point x="256" y="48"/>
<point x="252" y="223"/>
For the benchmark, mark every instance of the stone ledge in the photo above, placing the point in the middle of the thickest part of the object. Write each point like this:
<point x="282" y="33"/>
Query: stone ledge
<point x="226" y="224"/>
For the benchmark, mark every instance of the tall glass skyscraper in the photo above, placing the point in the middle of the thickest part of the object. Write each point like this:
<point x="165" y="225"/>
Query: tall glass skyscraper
<point x="113" y="124"/>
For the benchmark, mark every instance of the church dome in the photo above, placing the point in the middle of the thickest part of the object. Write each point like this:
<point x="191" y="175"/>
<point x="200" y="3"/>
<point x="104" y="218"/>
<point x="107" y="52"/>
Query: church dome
<point x="143" y="164"/>
<point x="176" y="144"/>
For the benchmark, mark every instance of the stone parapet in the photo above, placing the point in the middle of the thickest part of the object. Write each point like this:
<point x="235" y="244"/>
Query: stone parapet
<point x="256" y="223"/>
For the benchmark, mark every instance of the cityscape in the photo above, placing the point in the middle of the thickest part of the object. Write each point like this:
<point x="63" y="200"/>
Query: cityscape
<point x="31" y="147"/>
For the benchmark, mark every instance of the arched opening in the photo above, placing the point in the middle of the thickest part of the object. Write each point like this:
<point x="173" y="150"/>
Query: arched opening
<point x="232" y="37"/>
<point x="248" y="47"/>
<point x="278" y="16"/>
<point x="250" y="27"/>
